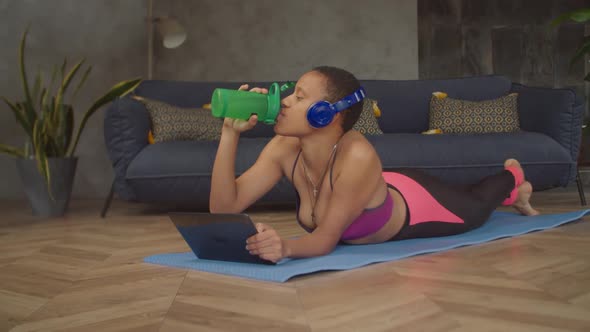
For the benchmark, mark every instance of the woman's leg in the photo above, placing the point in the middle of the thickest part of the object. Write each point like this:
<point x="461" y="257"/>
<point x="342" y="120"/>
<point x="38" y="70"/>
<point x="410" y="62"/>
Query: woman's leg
<point x="472" y="204"/>
<point x="522" y="194"/>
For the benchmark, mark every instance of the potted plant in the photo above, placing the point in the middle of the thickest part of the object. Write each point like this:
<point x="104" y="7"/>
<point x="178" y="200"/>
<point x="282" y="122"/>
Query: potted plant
<point x="47" y="162"/>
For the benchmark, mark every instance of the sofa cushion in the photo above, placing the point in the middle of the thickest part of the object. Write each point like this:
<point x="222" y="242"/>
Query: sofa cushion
<point x="189" y="158"/>
<point x="457" y="116"/>
<point x="174" y="123"/>
<point x="367" y="122"/>
<point x="467" y="158"/>
<point x="180" y="172"/>
<point x="405" y="104"/>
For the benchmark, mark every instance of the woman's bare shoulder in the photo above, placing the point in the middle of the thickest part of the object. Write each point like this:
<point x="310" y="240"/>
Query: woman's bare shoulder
<point x="282" y="147"/>
<point x="357" y="154"/>
<point x="285" y="150"/>
<point x="357" y="165"/>
<point x="285" y="143"/>
<point x="355" y="143"/>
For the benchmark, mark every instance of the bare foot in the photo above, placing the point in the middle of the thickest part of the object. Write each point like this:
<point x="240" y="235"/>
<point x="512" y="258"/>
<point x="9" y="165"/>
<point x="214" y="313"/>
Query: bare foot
<point x="522" y="203"/>
<point x="512" y="162"/>
<point x="525" y="190"/>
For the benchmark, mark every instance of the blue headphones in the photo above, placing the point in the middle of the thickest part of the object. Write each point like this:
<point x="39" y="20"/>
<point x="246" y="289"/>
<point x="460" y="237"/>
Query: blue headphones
<point x="321" y="113"/>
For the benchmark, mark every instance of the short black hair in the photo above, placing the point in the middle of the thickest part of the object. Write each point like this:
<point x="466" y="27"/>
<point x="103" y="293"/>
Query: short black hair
<point x="342" y="83"/>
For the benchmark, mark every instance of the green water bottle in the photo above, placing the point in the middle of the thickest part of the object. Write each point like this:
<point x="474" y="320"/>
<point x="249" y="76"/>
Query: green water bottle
<point x="238" y="104"/>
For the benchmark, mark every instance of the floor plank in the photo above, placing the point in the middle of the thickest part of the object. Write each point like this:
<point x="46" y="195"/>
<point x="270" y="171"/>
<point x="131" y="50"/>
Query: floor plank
<point x="84" y="273"/>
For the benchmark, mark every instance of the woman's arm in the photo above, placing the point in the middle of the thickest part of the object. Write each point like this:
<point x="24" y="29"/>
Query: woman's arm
<point x="231" y="195"/>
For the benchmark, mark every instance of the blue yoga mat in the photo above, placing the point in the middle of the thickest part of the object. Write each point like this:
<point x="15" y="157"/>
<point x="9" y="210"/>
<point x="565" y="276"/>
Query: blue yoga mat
<point x="345" y="257"/>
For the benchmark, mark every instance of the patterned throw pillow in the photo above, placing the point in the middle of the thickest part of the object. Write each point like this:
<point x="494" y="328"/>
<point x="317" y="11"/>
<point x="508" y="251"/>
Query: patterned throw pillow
<point x="173" y="123"/>
<point x="454" y="116"/>
<point x="367" y="123"/>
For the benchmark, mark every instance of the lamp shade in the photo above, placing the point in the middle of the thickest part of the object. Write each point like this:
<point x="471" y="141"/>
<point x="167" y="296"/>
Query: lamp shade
<point x="173" y="34"/>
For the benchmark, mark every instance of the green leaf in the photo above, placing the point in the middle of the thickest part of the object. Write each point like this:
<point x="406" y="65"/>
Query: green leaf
<point x="580" y="52"/>
<point x="55" y="112"/>
<point x="41" y="116"/>
<point x="27" y="149"/>
<point x="57" y="133"/>
<point x="63" y="68"/>
<point x="53" y="77"/>
<point x="48" y="131"/>
<point x="51" y="132"/>
<point x="43" y="167"/>
<point x="82" y="81"/>
<point x="53" y="148"/>
<point x="47" y="173"/>
<point x="118" y="90"/>
<point x="37" y="86"/>
<point x="19" y="114"/>
<point x="58" y="109"/>
<point x="60" y="130"/>
<point x="11" y="151"/>
<point x="68" y="127"/>
<point x="557" y="21"/>
<point x="21" y="59"/>
<point x="38" y="146"/>
<point x="580" y="16"/>
<point x="43" y="98"/>
<point x="66" y="82"/>
<point x="23" y="73"/>
<point x="41" y="156"/>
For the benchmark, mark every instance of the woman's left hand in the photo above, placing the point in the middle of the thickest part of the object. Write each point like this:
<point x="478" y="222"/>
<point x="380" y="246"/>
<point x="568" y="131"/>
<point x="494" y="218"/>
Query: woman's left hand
<point x="267" y="244"/>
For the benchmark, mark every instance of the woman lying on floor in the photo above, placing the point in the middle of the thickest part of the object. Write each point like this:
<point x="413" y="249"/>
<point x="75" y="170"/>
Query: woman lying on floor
<point x="342" y="193"/>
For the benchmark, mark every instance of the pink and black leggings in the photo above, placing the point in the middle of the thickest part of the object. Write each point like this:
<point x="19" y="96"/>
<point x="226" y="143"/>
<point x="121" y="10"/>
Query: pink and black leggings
<point x="435" y="208"/>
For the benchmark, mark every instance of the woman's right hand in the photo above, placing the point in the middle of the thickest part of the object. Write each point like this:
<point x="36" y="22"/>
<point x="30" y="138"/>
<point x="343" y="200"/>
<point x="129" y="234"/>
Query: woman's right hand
<point x="239" y="125"/>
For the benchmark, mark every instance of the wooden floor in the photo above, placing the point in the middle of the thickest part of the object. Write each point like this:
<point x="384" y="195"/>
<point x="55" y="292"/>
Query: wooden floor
<point x="83" y="273"/>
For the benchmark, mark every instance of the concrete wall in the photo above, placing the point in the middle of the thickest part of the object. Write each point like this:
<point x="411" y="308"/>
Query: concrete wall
<point x="227" y="40"/>
<point x="277" y="39"/>
<point x="109" y="34"/>
<point x="506" y="37"/>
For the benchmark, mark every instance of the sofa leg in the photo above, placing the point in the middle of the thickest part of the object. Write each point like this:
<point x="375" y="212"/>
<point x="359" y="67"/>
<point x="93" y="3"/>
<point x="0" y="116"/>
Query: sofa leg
<point x="581" y="189"/>
<point x="107" y="202"/>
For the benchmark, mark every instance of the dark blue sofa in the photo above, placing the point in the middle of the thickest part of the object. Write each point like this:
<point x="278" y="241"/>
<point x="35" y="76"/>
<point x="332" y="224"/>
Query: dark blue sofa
<point x="179" y="172"/>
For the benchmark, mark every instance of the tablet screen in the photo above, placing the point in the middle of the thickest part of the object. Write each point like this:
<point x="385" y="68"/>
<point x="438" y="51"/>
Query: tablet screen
<point x="218" y="236"/>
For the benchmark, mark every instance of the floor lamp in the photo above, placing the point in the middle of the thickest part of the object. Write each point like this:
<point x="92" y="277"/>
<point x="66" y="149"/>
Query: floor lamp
<point x="170" y="30"/>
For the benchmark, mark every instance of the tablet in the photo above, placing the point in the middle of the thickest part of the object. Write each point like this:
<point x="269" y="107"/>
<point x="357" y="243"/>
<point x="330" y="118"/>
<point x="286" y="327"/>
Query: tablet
<point x="217" y="236"/>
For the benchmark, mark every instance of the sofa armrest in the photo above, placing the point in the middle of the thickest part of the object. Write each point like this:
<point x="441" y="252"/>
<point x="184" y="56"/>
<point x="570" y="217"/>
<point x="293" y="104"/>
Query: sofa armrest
<point x="557" y="113"/>
<point x="126" y="126"/>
